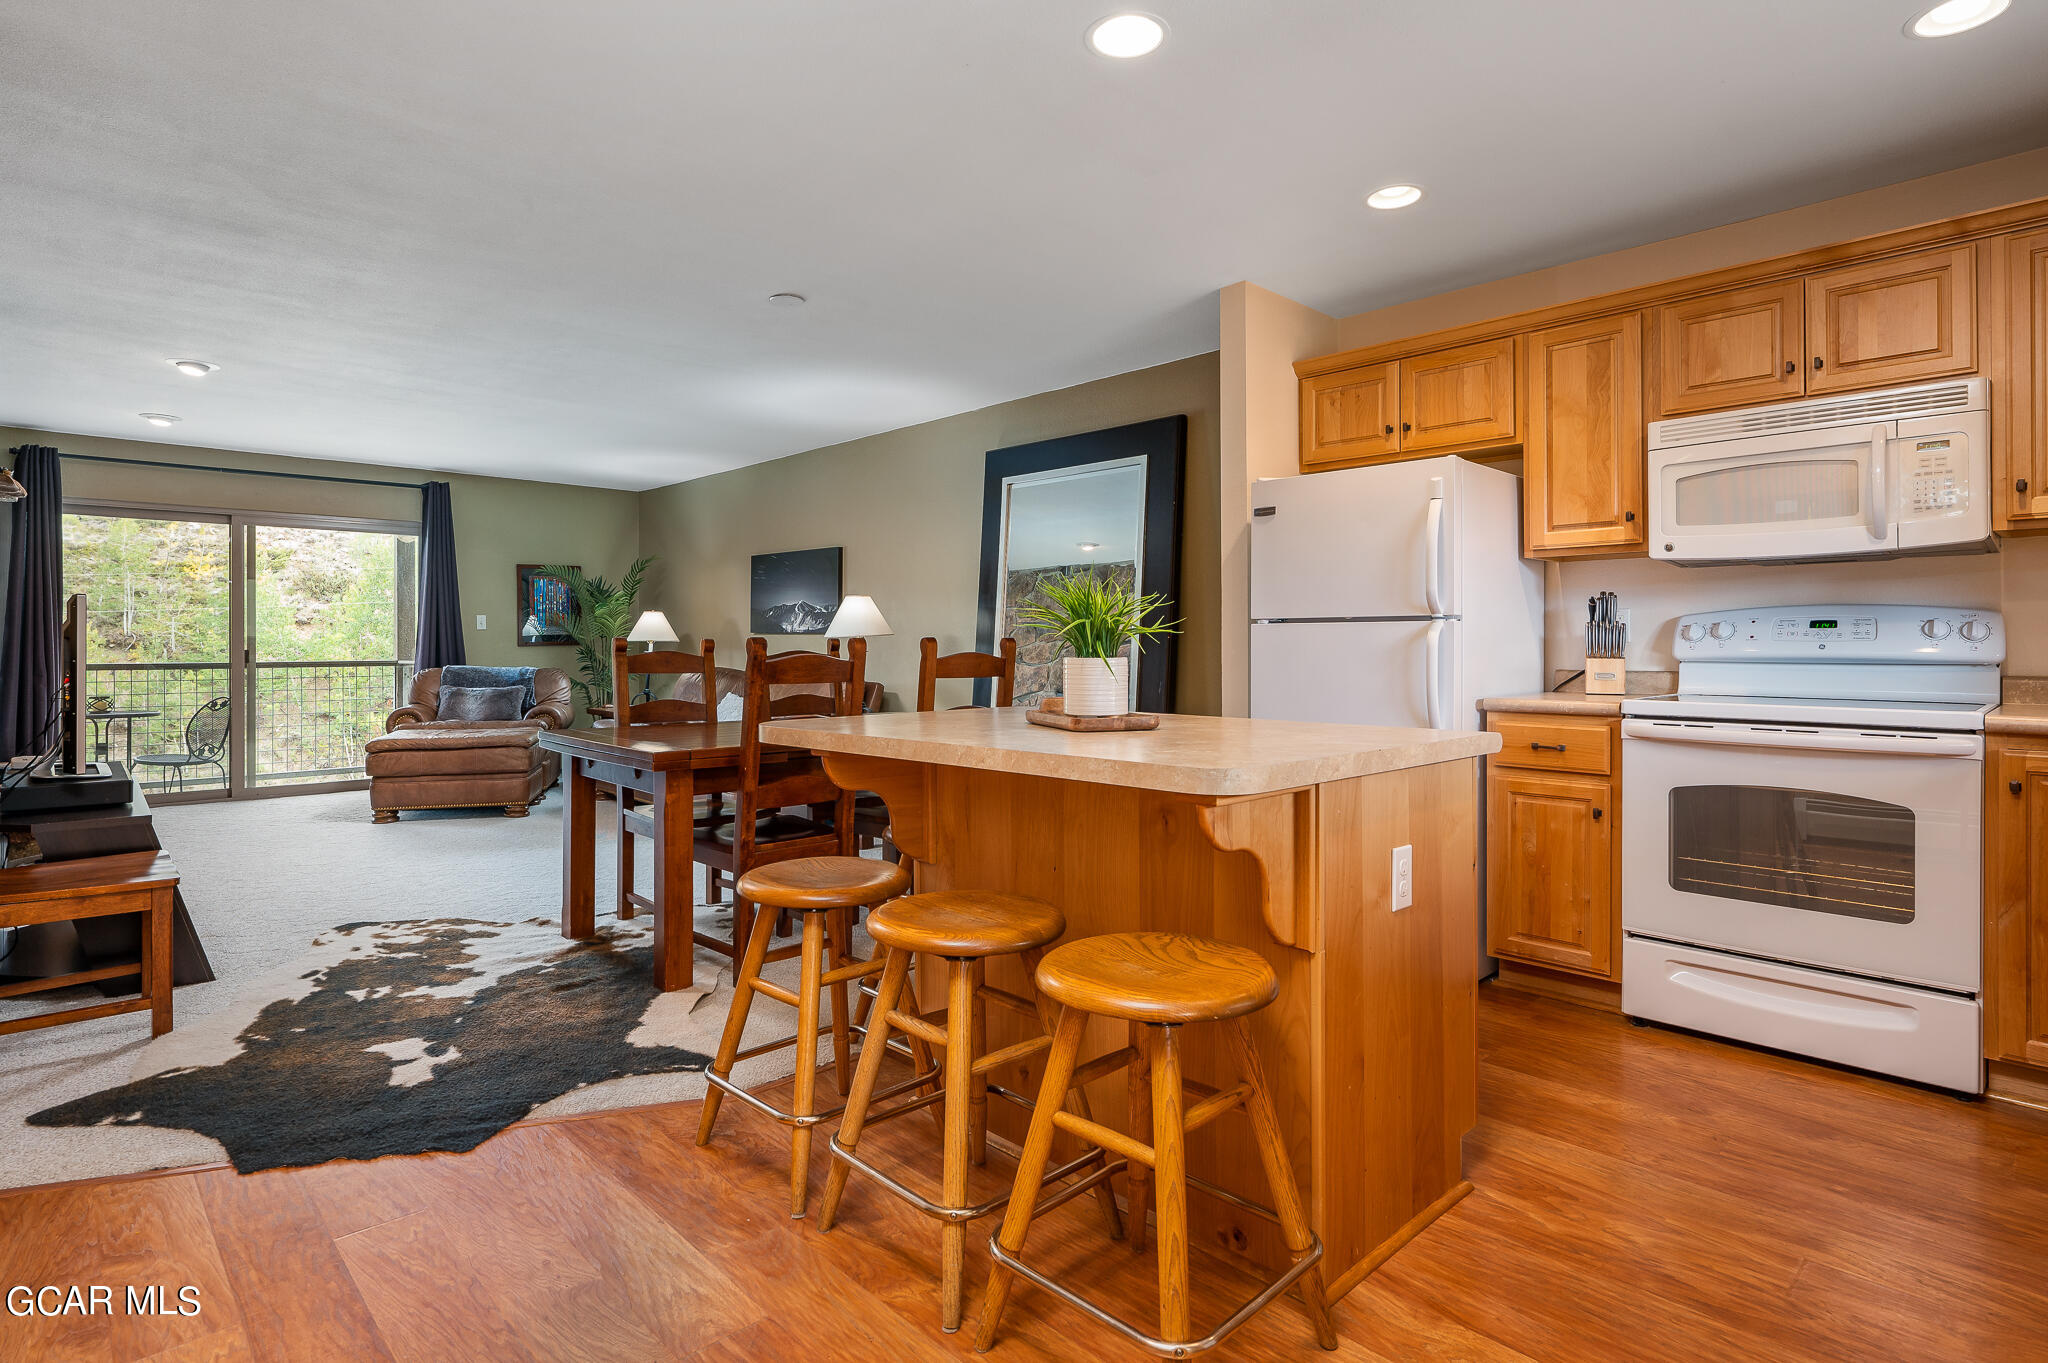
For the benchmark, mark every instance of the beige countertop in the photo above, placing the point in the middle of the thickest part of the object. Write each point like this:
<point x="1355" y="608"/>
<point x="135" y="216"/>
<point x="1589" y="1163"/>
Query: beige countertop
<point x="2018" y="719"/>
<point x="1186" y="754"/>
<point x="1556" y="703"/>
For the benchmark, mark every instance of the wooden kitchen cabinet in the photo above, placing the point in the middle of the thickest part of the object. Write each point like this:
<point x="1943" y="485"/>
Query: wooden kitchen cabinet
<point x="2021" y="401"/>
<point x="1731" y="349"/>
<point x="1350" y="416"/>
<point x="2016" y="901"/>
<point x="1461" y="397"/>
<point x="1553" y="868"/>
<point x="1582" y="469"/>
<point x="1898" y="320"/>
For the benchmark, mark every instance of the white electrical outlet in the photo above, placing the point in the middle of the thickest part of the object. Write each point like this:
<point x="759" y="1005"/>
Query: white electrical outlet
<point x="1404" y="877"/>
<point x="479" y="622"/>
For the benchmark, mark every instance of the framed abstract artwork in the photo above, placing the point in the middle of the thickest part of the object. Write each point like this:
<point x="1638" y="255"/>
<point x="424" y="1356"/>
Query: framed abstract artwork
<point x="545" y="607"/>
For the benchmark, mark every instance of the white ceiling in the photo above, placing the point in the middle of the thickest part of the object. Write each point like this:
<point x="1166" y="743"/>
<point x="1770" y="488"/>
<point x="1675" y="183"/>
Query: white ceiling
<point x="536" y="240"/>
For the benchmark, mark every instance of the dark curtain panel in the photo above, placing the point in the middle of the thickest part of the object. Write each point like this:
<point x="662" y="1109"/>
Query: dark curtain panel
<point x="33" y="633"/>
<point x="439" y="643"/>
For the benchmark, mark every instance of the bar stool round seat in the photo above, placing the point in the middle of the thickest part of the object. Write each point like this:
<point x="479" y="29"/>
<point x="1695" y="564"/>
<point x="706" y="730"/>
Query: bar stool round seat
<point x="963" y="924"/>
<point x="811" y="884"/>
<point x="1158" y="977"/>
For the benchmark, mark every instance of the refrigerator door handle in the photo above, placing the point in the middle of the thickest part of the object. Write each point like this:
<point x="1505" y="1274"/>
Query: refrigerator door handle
<point x="1433" y="542"/>
<point x="1433" y="678"/>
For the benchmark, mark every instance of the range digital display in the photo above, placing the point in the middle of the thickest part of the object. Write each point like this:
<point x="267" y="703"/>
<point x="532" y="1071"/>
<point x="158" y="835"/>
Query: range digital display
<point x="1823" y="624"/>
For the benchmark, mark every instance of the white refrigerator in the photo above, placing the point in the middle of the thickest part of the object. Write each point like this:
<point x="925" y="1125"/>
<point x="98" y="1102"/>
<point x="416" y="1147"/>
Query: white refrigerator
<point x="1395" y="594"/>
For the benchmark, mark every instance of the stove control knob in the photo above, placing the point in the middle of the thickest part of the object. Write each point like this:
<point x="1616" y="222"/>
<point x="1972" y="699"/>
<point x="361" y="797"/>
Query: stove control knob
<point x="1936" y="629"/>
<point x="1692" y="634"/>
<point x="1976" y="631"/>
<point x="1723" y="629"/>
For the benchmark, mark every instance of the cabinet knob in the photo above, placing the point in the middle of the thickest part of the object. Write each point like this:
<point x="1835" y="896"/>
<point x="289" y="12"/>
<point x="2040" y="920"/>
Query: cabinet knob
<point x="1817" y="362"/>
<point x="1390" y="428"/>
<point x="1628" y="515"/>
<point x="2015" y="787"/>
<point x="2019" y="485"/>
<point x="1597" y="813"/>
<point x="1405" y="428"/>
<point x="1791" y="366"/>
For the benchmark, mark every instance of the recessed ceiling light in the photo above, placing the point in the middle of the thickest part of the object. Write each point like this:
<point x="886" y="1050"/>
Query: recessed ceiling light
<point x="157" y="418"/>
<point x="1086" y="547"/>
<point x="1957" y="16"/>
<point x="786" y="300"/>
<point x="1394" y="196"/>
<point x="1127" y="35"/>
<point x="193" y="369"/>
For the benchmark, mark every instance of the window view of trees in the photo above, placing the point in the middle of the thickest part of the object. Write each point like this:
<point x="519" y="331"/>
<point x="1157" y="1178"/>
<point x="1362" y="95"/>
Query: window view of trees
<point x="331" y="625"/>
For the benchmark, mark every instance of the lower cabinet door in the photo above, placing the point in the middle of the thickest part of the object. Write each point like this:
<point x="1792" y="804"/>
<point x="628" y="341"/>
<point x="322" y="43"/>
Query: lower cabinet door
<point x="1550" y="870"/>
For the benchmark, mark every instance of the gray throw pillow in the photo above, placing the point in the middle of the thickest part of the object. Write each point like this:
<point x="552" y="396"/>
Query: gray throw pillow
<point x="480" y="702"/>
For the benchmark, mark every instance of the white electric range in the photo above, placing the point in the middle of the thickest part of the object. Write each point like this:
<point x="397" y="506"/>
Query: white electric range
<point x="1802" y="865"/>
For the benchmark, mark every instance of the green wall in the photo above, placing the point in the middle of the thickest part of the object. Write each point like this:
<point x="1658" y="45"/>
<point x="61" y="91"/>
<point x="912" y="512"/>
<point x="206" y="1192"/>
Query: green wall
<point x="499" y="522"/>
<point x="906" y="505"/>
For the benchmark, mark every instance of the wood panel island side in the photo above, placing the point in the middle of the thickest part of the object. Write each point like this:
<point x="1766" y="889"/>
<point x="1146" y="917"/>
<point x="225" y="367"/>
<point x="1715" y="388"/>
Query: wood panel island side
<point x="1277" y="836"/>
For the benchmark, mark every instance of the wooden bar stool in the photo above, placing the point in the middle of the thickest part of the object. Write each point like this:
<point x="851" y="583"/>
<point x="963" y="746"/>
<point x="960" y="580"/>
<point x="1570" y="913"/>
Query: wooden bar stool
<point x="965" y="928"/>
<point x="1157" y="982"/>
<point x="823" y="890"/>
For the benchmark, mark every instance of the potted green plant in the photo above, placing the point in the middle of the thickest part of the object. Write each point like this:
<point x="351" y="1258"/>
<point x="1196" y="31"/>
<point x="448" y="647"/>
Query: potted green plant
<point x="1096" y="619"/>
<point x="603" y="613"/>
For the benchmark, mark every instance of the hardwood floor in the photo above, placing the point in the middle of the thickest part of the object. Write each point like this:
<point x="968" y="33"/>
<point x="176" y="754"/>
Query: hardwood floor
<point x="1641" y="1195"/>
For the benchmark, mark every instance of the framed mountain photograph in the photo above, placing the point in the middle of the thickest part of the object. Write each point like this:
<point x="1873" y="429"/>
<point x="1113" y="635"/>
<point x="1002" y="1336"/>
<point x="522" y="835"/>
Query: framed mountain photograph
<point x="795" y="592"/>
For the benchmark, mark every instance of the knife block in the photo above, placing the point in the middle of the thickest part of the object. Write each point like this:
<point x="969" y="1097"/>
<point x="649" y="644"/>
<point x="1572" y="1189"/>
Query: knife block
<point x="1606" y="677"/>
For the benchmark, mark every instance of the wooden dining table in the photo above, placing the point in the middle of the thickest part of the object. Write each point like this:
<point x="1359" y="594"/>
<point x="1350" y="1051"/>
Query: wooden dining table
<point x="670" y="765"/>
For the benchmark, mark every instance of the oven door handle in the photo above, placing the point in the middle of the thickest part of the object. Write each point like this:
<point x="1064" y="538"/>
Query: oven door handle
<point x="1823" y="740"/>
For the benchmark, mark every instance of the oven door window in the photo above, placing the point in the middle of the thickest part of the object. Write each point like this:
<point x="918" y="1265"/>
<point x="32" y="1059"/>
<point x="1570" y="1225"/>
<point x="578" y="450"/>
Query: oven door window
<point x="1802" y="849"/>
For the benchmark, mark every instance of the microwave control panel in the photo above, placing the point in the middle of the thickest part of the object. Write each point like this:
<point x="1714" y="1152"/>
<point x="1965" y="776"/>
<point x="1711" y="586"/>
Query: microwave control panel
<point x="1934" y="476"/>
<point x="1852" y="633"/>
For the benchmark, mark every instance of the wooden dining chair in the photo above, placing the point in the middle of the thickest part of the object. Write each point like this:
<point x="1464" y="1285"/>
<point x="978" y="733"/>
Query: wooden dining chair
<point x="870" y="815"/>
<point x="766" y="827"/>
<point x="626" y="713"/>
<point x="933" y="669"/>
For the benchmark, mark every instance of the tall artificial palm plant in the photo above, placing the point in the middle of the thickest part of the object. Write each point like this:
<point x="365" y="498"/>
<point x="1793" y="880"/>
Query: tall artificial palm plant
<point x="603" y="613"/>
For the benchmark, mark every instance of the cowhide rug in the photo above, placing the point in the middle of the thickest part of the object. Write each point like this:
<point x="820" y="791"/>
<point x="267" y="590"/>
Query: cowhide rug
<point x="407" y="1037"/>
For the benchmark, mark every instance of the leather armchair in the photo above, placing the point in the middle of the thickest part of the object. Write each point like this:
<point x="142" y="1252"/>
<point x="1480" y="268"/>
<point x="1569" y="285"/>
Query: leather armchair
<point x="553" y="705"/>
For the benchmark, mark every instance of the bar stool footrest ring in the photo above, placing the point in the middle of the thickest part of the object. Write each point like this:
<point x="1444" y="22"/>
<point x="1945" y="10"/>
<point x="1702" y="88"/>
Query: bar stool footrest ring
<point x="1164" y="1348"/>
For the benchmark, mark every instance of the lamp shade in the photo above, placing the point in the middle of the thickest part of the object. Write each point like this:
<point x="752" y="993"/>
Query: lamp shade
<point x="858" y="618"/>
<point x="653" y="628"/>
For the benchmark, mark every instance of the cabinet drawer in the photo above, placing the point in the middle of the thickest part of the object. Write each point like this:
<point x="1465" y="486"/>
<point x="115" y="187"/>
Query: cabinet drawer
<point x="1554" y="743"/>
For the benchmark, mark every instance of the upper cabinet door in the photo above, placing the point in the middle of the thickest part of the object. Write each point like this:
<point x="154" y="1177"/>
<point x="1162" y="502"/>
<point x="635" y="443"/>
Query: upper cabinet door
<point x="1729" y="349"/>
<point x="1350" y="415"/>
<point x="1461" y="396"/>
<point x="2022" y="406"/>
<point x="1582" y="468"/>
<point x="1892" y="321"/>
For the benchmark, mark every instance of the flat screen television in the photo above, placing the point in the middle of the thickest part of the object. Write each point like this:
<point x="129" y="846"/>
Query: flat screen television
<point x="73" y="730"/>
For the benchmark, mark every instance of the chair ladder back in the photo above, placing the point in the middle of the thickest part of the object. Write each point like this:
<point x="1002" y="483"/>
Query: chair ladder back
<point x="765" y="672"/>
<point x="932" y="669"/>
<point x="664" y="663"/>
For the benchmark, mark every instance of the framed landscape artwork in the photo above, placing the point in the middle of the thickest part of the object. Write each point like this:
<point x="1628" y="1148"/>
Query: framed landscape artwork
<point x="545" y="607"/>
<point x="795" y="592"/>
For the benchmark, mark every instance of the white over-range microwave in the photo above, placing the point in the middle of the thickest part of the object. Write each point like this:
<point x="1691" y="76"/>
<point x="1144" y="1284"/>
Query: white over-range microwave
<point x="1867" y="475"/>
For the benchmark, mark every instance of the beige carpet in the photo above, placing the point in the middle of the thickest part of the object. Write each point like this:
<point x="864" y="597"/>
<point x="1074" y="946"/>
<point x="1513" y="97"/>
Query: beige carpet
<point x="268" y="883"/>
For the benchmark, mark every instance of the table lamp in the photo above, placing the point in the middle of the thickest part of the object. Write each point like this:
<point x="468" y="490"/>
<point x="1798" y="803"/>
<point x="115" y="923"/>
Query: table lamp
<point x="857" y="618"/>
<point x="652" y="628"/>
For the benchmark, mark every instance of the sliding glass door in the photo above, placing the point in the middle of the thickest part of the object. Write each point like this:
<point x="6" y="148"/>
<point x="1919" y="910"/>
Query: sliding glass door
<point x="158" y="642"/>
<point x="331" y="624"/>
<point x="233" y="654"/>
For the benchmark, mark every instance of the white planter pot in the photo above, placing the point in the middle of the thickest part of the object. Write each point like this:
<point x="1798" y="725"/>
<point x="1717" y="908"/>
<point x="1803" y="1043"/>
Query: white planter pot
<point x="1089" y="688"/>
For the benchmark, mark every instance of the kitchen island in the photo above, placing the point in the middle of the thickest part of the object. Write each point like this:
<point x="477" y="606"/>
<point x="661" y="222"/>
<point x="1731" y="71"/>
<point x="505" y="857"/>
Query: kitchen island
<point x="1273" y="835"/>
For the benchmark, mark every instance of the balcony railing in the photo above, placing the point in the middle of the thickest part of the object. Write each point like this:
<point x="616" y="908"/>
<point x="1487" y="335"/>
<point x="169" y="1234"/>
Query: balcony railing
<point x="310" y="719"/>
